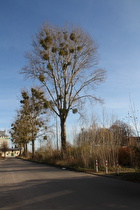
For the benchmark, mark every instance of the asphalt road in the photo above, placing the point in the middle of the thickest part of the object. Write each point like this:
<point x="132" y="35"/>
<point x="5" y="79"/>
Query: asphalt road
<point x="26" y="185"/>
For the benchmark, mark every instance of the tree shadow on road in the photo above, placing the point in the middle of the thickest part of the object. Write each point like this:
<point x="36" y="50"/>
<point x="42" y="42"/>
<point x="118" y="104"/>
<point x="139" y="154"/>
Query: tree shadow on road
<point x="26" y="185"/>
<point x="78" y="193"/>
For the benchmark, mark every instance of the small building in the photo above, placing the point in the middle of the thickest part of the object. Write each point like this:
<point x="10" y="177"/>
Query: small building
<point x="11" y="152"/>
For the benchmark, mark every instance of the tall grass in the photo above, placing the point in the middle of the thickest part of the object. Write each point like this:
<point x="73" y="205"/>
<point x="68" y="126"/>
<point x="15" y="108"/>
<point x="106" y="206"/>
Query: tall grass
<point x="95" y="144"/>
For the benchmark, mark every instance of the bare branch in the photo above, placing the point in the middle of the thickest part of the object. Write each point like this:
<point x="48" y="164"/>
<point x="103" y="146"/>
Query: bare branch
<point x="64" y="60"/>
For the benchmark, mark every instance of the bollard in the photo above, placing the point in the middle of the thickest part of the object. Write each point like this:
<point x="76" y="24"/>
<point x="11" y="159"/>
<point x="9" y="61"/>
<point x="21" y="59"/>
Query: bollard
<point x="118" y="170"/>
<point x="106" y="166"/>
<point x="97" y="166"/>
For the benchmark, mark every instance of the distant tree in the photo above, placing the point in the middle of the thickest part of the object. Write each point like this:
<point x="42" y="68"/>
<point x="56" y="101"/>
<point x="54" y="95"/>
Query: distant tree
<point x="34" y="106"/>
<point x="61" y="60"/>
<point x="20" y="132"/>
<point x="30" y="120"/>
<point x="4" y="148"/>
<point x="121" y="132"/>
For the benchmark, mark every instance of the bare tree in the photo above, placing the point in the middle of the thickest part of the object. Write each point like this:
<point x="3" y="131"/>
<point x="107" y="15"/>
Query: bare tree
<point x="121" y="132"/>
<point x="61" y="60"/>
<point x="133" y="116"/>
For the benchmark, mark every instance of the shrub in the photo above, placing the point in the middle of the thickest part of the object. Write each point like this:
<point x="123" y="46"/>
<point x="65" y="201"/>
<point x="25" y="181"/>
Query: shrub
<point x="125" y="155"/>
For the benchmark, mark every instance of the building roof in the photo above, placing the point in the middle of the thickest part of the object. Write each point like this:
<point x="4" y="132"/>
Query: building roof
<point x="13" y="149"/>
<point x="3" y="134"/>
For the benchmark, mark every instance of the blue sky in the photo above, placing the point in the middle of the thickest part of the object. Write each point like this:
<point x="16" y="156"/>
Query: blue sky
<point x="114" y="24"/>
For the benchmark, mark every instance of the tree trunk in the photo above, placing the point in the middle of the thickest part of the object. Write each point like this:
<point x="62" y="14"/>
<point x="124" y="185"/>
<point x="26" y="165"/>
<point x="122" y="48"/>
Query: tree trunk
<point x="25" y="150"/>
<point x="33" y="149"/>
<point x="20" y="152"/>
<point x="63" y="136"/>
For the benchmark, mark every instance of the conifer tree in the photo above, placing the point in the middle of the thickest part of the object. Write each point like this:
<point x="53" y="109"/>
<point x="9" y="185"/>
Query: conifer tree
<point x="30" y="118"/>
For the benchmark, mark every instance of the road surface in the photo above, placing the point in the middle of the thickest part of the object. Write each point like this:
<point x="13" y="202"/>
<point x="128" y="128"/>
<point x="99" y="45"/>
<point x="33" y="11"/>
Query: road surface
<point x="26" y="185"/>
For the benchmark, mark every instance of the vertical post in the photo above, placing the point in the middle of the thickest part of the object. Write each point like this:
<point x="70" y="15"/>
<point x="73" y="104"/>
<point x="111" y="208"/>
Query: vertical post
<point x="57" y="134"/>
<point x="97" y="166"/>
<point x="106" y="166"/>
<point x="118" y="171"/>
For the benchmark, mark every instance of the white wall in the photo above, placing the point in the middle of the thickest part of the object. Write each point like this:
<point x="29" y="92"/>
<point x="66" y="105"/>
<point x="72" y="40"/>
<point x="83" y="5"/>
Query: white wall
<point x="11" y="154"/>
